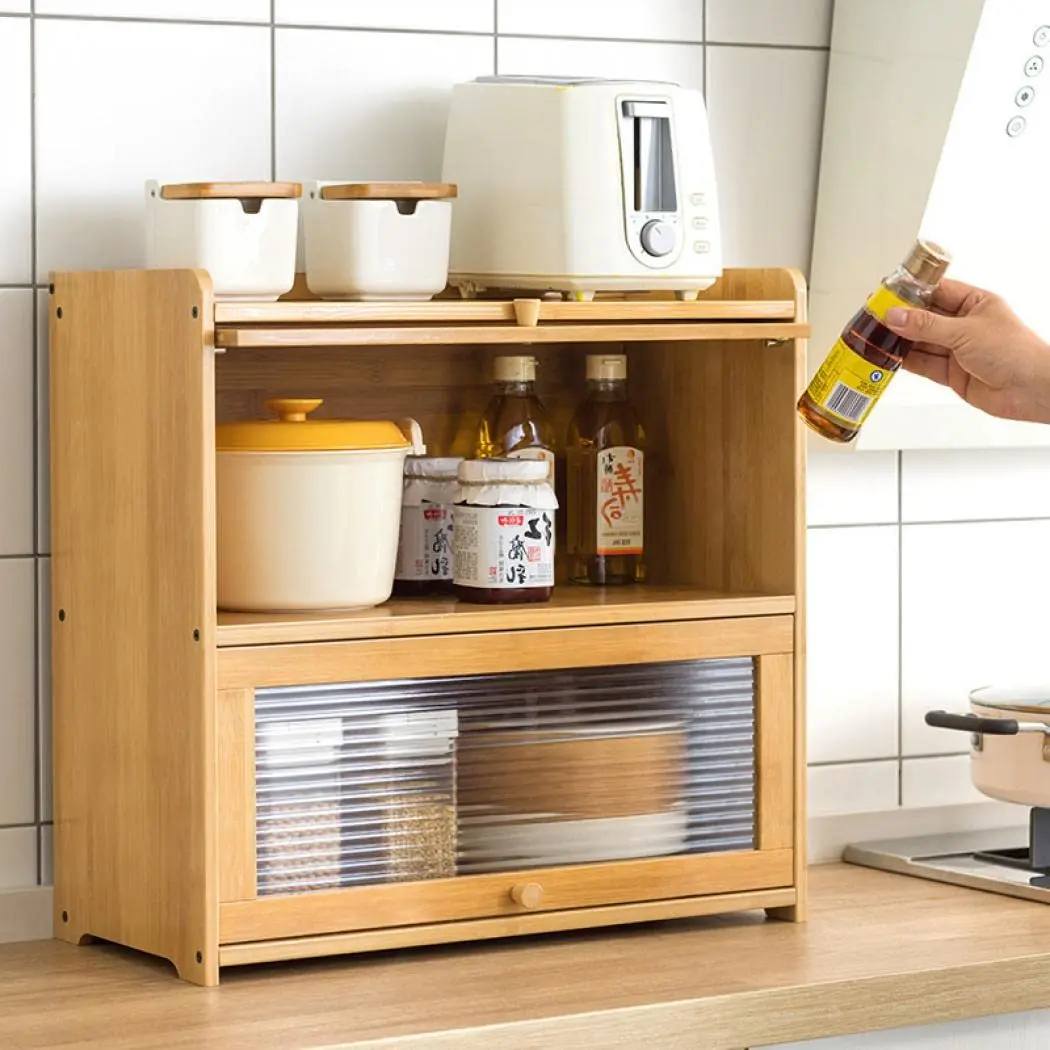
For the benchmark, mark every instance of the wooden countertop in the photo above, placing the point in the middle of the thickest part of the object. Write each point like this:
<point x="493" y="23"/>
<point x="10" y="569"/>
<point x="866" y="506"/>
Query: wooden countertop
<point x="880" y="951"/>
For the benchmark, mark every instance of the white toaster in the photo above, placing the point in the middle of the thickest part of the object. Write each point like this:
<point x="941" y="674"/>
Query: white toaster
<point x="581" y="186"/>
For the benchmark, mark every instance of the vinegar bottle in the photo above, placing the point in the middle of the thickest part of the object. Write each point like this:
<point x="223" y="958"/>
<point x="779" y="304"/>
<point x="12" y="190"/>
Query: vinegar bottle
<point x="515" y="425"/>
<point x="860" y="365"/>
<point x="605" y="461"/>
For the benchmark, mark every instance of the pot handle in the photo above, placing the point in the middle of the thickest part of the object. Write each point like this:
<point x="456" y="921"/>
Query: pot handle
<point x="973" y="723"/>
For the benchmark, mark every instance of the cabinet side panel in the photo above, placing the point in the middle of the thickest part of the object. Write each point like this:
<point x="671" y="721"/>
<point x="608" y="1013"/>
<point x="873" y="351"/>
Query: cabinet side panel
<point x="133" y="596"/>
<point x="726" y="503"/>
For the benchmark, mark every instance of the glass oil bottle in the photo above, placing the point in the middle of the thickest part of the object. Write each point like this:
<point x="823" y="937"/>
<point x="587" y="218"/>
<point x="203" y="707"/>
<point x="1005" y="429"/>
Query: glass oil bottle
<point x="605" y="459"/>
<point x="515" y="425"/>
<point x="860" y="365"/>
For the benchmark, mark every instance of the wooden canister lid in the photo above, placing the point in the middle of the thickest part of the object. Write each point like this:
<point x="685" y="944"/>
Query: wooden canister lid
<point x="186" y="191"/>
<point x="389" y="191"/>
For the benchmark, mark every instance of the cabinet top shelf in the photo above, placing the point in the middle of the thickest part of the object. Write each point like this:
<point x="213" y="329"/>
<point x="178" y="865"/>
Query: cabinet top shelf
<point x="297" y="323"/>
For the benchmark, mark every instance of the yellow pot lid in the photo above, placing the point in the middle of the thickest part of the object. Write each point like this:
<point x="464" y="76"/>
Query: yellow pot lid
<point x="292" y="431"/>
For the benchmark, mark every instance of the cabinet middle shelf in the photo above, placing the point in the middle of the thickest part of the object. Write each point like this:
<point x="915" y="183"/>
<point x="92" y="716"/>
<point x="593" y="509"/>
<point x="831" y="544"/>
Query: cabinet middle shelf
<point x="570" y="607"/>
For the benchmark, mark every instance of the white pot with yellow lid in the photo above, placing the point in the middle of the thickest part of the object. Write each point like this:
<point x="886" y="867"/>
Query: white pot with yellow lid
<point x="308" y="510"/>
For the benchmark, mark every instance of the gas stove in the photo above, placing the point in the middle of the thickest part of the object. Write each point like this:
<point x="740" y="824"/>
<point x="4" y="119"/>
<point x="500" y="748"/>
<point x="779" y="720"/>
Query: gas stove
<point x="1014" y="862"/>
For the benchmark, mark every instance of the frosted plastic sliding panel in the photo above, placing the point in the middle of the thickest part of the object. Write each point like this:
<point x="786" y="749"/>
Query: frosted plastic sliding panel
<point x="429" y="778"/>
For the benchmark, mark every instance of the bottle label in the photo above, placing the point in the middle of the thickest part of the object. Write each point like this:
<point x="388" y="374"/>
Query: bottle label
<point x="847" y="385"/>
<point x="536" y="453"/>
<point x="620" y="509"/>
<point x="504" y="547"/>
<point x="424" y="549"/>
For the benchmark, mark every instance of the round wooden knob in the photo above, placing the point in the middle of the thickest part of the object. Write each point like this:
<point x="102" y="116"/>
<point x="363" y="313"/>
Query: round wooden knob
<point x="527" y="894"/>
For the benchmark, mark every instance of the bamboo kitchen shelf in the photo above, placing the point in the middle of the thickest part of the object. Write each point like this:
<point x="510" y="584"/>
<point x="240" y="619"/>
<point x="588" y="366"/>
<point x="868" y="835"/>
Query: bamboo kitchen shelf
<point x="570" y="607"/>
<point x="177" y="833"/>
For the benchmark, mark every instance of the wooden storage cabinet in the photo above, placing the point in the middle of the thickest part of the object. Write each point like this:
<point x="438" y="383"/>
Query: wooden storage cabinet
<point x="234" y="788"/>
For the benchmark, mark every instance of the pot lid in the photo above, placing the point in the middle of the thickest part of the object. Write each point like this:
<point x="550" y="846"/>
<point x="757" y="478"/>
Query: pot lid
<point x="185" y="191"/>
<point x="389" y="191"/>
<point x="1034" y="699"/>
<point x="293" y="432"/>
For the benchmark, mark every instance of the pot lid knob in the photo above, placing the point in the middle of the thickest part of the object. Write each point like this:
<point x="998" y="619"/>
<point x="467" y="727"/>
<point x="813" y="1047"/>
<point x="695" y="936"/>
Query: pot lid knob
<point x="293" y="409"/>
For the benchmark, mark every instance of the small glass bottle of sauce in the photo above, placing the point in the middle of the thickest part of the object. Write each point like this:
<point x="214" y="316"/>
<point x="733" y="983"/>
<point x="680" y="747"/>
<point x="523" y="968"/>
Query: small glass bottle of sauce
<point x="867" y="355"/>
<point x="424" y="551"/>
<point x="504" y="532"/>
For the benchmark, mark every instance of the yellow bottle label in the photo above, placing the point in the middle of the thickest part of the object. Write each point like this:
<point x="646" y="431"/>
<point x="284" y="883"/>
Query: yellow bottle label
<point x="846" y="385"/>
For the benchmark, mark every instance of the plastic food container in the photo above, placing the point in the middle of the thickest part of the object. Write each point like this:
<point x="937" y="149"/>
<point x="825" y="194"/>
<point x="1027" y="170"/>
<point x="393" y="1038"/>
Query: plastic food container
<point x="307" y="510"/>
<point x="377" y="240"/>
<point x="243" y="233"/>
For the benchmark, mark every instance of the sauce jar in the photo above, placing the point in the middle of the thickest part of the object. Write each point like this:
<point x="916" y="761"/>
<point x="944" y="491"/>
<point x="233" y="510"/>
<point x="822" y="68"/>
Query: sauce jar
<point x="504" y="536"/>
<point x="424" y="552"/>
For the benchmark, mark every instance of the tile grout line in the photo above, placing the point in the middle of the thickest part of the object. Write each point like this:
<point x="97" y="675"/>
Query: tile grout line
<point x="887" y="523"/>
<point x="35" y="329"/>
<point x="703" y="53"/>
<point x="885" y="760"/>
<point x="273" y="90"/>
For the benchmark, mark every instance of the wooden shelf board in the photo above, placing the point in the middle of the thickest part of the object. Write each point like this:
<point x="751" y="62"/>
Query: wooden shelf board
<point x="255" y="337"/>
<point x="455" y="311"/>
<point x="570" y="607"/>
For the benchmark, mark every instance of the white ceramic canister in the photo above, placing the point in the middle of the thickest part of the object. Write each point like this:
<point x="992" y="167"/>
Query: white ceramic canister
<point x="424" y="551"/>
<point x="243" y="233"/>
<point x="308" y="510"/>
<point x="377" y="240"/>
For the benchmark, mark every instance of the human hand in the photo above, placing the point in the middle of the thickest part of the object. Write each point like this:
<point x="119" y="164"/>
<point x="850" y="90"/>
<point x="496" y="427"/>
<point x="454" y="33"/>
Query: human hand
<point x="972" y="342"/>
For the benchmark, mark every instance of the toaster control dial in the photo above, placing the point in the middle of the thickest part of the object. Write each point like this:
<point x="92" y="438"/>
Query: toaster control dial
<point x="658" y="237"/>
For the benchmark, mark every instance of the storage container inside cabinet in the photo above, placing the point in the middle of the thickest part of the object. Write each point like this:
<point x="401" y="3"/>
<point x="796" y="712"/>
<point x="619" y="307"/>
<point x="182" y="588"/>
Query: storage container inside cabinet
<point x="352" y="787"/>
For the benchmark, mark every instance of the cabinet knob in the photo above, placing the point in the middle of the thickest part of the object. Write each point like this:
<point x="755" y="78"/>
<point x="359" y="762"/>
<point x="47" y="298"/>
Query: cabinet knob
<point x="527" y="894"/>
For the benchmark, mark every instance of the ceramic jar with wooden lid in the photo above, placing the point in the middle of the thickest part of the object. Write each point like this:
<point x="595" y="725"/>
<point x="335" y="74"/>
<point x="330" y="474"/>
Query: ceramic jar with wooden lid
<point x="377" y="240"/>
<point x="243" y="233"/>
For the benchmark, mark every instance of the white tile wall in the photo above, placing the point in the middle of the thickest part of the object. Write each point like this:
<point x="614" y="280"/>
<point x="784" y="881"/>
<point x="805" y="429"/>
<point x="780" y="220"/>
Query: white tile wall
<point x="683" y="63"/>
<point x="766" y="110"/>
<point x="976" y="485"/>
<point x="15" y="157"/>
<point x="121" y="102"/>
<point x="853" y="788"/>
<point x="473" y="16"/>
<point x="186" y="10"/>
<point x="852" y="664"/>
<point x="945" y="781"/>
<point x="126" y="93"/>
<point x="326" y="129"/>
<point x="43" y="679"/>
<point x="852" y="488"/>
<point x="17" y="692"/>
<point x="974" y="612"/>
<point x="16" y="421"/>
<point x="804" y="23"/>
<point x="680" y="20"/>
<point x="18" y="858"/>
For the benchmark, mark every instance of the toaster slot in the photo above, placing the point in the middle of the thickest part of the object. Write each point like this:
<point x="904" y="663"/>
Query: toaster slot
<point x="652" y="157"/>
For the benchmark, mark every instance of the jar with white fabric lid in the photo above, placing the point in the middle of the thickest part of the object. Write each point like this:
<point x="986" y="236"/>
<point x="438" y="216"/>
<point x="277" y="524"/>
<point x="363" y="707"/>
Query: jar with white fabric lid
<point x="504" y="534"/>
<point x="424" y="553"/>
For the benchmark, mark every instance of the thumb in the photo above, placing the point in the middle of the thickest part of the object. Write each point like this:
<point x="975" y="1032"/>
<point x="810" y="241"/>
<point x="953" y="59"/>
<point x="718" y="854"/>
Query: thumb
<point x="923" y="326"/>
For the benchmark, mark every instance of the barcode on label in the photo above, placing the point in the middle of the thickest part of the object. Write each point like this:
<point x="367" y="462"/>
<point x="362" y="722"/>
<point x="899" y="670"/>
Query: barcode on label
<point x="847" y="403"/>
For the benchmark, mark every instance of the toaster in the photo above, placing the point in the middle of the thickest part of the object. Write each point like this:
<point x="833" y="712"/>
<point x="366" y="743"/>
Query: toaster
<point x="581" y="185"/>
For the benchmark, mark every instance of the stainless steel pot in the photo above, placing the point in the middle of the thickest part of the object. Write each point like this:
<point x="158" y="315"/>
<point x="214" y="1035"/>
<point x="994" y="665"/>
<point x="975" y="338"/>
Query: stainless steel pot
<point x="1009" y="742"/>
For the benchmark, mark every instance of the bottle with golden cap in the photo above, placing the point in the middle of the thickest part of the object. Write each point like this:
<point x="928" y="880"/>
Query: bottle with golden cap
<point x="605" y="462"/>
<point x="515" y="425"/>
<point x="860" y="365"/>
